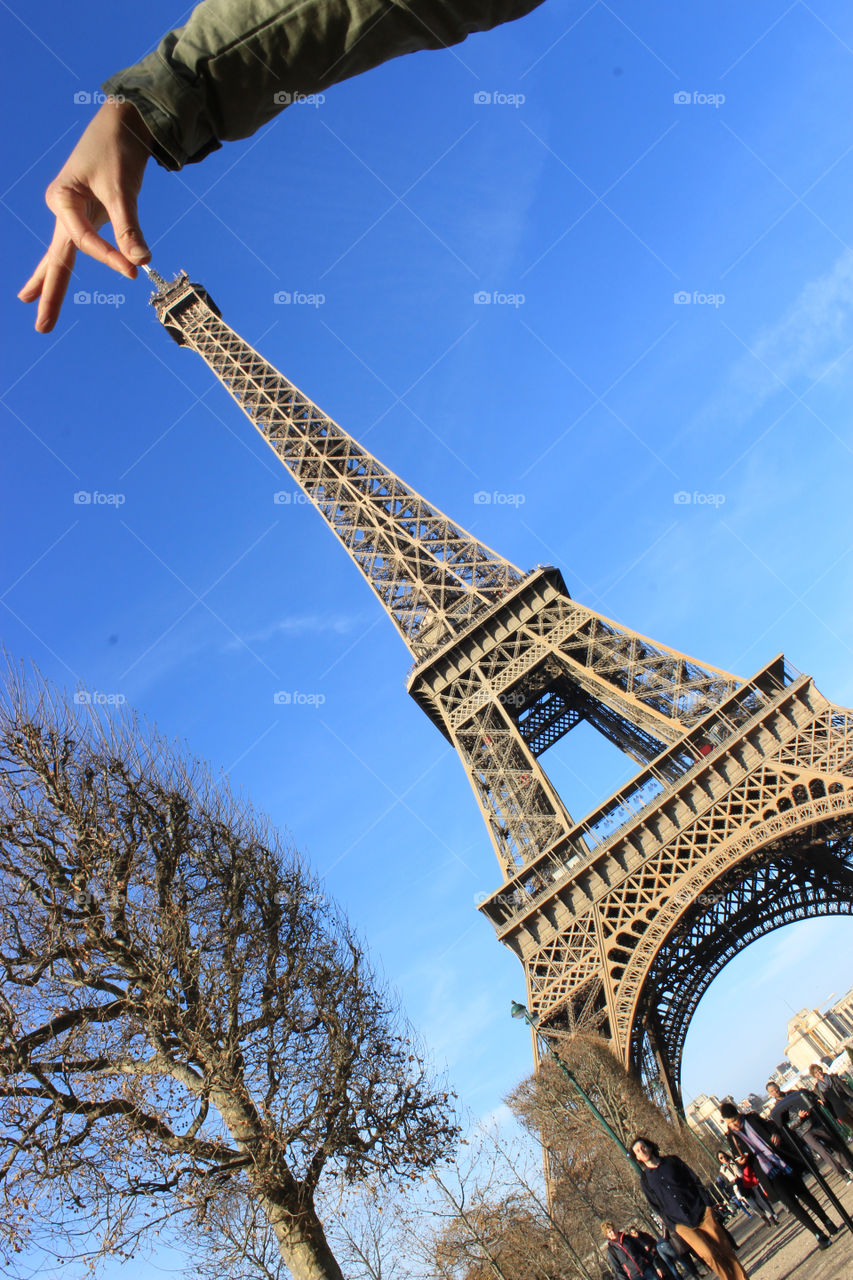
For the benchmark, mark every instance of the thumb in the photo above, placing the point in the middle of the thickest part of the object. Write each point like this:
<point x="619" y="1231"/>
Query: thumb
<point x="128" y="233"/>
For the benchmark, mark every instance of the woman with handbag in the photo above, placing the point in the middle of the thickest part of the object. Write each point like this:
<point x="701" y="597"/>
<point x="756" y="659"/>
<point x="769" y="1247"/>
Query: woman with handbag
<point x="746" y="1189"/>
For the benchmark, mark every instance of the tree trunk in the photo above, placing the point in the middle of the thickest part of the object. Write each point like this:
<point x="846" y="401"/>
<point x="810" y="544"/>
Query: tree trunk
<point x="302" y="1242"/>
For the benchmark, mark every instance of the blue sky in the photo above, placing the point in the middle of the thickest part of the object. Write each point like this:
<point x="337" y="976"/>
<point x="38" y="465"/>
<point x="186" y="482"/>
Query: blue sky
<point x="583" y="391"/>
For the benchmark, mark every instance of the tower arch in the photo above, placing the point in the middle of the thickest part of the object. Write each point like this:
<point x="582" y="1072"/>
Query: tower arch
<point x="803" y="875"/>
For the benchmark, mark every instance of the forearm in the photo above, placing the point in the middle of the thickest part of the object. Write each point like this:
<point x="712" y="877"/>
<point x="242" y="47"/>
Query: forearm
<point x="238" y="63"/>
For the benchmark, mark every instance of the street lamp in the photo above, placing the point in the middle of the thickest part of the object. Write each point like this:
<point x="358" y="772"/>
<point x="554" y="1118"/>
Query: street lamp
<point x="520" y="1011"/>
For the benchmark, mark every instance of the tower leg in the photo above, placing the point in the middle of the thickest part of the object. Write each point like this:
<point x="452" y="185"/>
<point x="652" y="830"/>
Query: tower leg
<point x="668" y="1083"/>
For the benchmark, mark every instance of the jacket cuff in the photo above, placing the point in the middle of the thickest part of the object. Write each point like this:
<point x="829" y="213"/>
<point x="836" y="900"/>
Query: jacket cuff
<point x="173" y="106"/>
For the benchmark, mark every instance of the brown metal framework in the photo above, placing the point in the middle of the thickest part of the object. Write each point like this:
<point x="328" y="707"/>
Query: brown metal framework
<point x="804" y="876"/>
<point x="621" y="920"/>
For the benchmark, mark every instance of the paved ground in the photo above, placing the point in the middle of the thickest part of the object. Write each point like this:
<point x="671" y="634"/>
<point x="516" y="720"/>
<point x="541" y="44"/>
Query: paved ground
<point x="788" y="1252"/>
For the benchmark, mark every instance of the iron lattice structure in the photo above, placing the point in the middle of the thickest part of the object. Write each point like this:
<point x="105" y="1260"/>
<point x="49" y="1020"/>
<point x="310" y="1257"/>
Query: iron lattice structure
<point x="738" y="820"/>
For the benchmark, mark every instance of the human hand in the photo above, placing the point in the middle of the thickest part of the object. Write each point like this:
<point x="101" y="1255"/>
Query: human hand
<point x="99" y="182"/>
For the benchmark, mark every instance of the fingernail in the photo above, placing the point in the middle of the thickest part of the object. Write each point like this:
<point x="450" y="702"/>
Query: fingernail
<point x="138" y="252"/>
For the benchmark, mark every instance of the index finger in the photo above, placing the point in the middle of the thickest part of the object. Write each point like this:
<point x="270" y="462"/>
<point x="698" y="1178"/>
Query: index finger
<point x="81" y="231"/>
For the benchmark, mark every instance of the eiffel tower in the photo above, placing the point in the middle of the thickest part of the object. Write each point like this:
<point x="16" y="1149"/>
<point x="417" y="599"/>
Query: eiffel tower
<point x="738" y="820"/>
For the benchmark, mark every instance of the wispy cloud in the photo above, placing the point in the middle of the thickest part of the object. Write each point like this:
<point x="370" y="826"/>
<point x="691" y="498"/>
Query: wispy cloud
<point x="804" y="345"/>
<point x="454" y="1017"/>
<point x="499" y="1119"/>
<point x="299" y="626"/>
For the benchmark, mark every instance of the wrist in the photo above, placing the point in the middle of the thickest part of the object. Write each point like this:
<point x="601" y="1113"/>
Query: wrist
<point x="131" y="122"/>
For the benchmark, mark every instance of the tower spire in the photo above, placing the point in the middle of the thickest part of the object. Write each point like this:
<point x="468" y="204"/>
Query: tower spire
<point x="431" y="576"/>
<point x="155" y="277"/>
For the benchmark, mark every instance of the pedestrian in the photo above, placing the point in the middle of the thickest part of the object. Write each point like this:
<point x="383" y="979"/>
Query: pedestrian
<point x="835" y="1092"/>
<point x="628" y="1257"/>
<point x="676" y="1254"/>
<point x="662" y="1268"/>
<point x="649" y="1244"/>
<point x="747" y="1193"/>
<point x="796" y="1111"/>
<point x="678" y="1197"/>
<point x="728" y="1202"/>
<point x="758" y="1144"/>
<point x="228" y="71"/>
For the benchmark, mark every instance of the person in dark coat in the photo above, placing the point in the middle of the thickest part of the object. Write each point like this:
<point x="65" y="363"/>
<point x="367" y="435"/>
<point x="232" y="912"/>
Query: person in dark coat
<point x="835" y="1092"/>
<point x="796" y="1110"/>
<point x="678" y="1197"/>
<point x="628" y="1256"/>
<point x="760" y="1145"/>
<point x="664" y="1269"/>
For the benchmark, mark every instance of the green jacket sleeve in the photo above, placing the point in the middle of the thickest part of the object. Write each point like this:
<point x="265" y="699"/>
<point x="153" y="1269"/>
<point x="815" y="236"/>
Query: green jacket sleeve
<point x="238" y="63"/>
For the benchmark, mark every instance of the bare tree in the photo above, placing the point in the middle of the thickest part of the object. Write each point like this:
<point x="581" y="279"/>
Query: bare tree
<point x="232" y="1236"/>
<point x="371" y="1229"/>
<point x="368" y="1230"/>
<point x="495" y="1224"/>
<point x="591" y="1179"/>
<point x="182" y="1010"/>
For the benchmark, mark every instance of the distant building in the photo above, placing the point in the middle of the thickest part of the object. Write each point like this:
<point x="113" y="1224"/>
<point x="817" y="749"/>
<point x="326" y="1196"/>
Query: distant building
<point x="786" y="1076"/>
<point x="703" y="1115"/>
<point x="813" y="1035"/>
<point x="842" y="1011"/>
